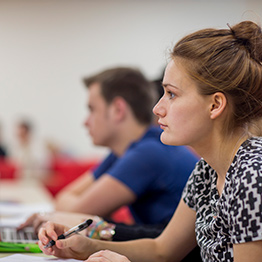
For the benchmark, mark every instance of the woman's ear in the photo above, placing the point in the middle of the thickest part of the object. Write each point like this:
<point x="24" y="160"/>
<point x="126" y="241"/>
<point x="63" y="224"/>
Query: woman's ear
<point x="219" y="102"/>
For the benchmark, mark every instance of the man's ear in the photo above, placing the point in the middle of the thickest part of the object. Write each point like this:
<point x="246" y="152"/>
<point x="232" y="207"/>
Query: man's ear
<point x="120" y="108"/>
<point x="218" y="105"/>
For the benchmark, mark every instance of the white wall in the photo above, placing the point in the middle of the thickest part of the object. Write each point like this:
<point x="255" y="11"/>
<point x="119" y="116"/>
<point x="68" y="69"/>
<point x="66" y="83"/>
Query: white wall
<point x="47" y="46"/>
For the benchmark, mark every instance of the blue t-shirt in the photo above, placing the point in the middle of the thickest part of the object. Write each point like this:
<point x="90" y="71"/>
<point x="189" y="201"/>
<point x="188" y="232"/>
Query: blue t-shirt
<point x="155" y="172"/>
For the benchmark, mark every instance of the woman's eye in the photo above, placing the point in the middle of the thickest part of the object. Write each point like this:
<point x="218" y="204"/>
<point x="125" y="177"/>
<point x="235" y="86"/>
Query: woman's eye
<point x="171" y="95"/>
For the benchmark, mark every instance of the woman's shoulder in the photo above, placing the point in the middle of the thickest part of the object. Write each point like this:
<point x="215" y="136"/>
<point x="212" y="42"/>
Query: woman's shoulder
<point x="203" y="173"/>
<point x="250" y="151"/>
<point x="252" y="145"/>
<point x="202" y="167"/>
<point x="248" y="160"/>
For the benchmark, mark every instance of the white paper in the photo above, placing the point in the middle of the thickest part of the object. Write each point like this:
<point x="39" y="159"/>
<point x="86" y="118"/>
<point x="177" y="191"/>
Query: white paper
<point x="14" y="214"/>
<point x="26" y="258"/>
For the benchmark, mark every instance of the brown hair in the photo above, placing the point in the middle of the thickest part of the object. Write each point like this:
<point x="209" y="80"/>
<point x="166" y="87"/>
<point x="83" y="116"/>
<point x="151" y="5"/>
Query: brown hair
<point x="129" y="84"/>
<point x="228" y="61"/>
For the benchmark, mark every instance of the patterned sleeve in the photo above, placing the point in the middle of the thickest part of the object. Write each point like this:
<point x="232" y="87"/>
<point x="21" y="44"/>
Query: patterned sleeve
<point x="189" y="192"/>
<point x="246" y="212"/>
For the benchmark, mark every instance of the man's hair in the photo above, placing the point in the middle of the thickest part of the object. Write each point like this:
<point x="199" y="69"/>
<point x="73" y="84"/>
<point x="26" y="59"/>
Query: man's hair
<point x="131" y="85"/>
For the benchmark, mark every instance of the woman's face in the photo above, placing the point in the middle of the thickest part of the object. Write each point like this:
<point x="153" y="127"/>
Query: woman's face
<point x="183" y="113"/>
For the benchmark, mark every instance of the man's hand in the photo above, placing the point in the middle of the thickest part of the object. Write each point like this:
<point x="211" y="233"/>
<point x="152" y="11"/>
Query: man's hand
<point x="69" y="219"/>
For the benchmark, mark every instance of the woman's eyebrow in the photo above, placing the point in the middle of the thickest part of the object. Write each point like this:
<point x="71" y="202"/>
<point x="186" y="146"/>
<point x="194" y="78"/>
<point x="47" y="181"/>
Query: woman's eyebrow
<point x="170" y="85"/>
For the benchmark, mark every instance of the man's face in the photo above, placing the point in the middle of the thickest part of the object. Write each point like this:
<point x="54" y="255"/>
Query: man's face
<point x="99" y="121"/>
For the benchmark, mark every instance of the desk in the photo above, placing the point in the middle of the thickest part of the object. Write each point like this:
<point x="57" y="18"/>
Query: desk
<point x="24" y="192"/>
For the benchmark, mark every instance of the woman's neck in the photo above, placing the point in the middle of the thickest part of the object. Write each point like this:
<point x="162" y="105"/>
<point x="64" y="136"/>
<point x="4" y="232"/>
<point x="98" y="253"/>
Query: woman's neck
<point x="220" y="153"/>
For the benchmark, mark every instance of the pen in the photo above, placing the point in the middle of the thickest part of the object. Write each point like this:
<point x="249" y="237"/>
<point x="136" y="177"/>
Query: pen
<point x="71" y="232"/>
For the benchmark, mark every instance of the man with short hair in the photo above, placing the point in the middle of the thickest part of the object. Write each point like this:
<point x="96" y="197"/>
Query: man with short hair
<point x="139" y="171"/>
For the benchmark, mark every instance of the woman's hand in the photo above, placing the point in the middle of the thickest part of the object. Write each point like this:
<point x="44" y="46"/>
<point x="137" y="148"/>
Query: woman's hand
<point x="107" y="256"/>
<point x="76" y="246"/>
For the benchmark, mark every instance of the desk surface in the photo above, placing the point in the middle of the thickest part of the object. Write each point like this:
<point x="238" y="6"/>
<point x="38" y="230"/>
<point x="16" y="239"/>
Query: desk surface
<point x="26" y="192"/>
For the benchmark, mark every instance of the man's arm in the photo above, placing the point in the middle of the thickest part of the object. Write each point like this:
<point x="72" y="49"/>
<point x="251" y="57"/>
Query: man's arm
<point x="96" y="197"/>
<point x="73" y="191"/>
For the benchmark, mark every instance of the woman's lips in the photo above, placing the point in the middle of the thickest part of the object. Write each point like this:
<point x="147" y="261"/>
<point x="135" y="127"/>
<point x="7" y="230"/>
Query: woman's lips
<point x="162" y="125"/>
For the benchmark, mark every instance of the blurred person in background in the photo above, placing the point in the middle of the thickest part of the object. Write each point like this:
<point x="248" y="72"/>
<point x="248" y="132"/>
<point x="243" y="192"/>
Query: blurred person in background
<point x="28" y="153"/>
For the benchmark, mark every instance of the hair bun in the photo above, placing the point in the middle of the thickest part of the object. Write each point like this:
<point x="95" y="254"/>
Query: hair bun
<point x="249" y="34"/>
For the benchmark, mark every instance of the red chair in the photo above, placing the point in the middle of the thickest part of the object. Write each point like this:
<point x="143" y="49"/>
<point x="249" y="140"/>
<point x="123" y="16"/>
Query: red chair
<point x="8" y="169"/>
<point x="123" y="215"/>
<point x="64" y="171"/>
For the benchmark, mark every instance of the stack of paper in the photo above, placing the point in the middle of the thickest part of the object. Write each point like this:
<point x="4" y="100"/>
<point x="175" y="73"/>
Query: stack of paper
<point x="26" y="258"/>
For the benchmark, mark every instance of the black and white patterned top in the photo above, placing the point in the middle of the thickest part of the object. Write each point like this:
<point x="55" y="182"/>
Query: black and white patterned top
<point x="236" y="216"/>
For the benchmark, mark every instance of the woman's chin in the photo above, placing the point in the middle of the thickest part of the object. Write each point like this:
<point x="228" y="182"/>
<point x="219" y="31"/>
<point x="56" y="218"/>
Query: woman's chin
<point x="167" y="140"/>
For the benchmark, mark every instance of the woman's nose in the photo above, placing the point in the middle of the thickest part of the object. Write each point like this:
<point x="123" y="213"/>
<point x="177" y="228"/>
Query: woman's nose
<point x="158" y="109"/>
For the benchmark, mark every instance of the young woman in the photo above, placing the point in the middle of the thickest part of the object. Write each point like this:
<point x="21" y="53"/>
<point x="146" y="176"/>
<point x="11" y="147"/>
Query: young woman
<point x="213" y="94"/>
